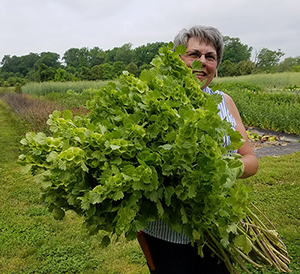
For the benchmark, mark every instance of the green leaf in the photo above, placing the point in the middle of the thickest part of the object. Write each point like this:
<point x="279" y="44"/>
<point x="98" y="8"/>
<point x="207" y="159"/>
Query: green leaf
<point x="68" y="115"/>
<point x="153" y="130"/>
<point x="196" y="65"/>
<point x="153" y="196"/>
<point x="137" y="185"/>
<point x="180" y="50"/>
<point x="118" y="196"/>
<point x="167" y="146"/>
<point x="196" y="235"/>
<point x="170" y="45"/>
<point x="26" y="169"/>
<point x="114" y="147"/>
<point x="183" y="215"/>
<point x="56" y="114"/>
<point x="40" y="138"/>
<point x="169" y="191"/>
<point x="244" y="243"/>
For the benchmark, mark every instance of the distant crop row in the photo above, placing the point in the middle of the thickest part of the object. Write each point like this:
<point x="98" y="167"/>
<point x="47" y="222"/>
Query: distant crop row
<point x="266" y="81"/>
<point x="279" y="111"/>
<point x="258" y="106"/>
<point x="44" y="88"/>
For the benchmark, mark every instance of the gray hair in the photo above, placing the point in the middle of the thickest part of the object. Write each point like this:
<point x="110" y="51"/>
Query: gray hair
<point x="209" y="35"/>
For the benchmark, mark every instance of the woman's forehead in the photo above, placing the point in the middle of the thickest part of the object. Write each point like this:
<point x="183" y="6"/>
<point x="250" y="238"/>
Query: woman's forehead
<point x="203" y="41"/>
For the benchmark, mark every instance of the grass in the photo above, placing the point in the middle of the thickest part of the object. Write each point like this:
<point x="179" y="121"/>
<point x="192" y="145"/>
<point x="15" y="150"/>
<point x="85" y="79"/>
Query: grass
<point x="276" y="191"/>
<point x="271" y="81"/>
<point x="45" y="88"/>
<point x="6" y="90"/>
<point x="33" y="242"/>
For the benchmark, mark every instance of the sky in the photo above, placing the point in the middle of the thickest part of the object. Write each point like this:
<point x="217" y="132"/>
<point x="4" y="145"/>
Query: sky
<point x="57" y="25"/>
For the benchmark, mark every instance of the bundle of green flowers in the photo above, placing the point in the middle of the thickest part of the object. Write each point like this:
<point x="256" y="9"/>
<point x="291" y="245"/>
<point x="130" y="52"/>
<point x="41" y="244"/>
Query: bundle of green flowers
<point x="152" y="148"/>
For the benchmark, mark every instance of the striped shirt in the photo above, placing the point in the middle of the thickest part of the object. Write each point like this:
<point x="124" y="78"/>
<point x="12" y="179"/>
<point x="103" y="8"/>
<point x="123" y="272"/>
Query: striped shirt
<point x="159" y="228"/>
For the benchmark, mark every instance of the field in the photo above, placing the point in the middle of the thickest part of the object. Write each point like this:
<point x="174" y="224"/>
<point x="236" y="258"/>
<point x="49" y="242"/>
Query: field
<point x="267" y="81"/>
<point x="32" y="241"/>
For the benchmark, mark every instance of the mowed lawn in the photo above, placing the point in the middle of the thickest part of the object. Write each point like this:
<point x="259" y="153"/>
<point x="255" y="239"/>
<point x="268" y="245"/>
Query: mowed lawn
<point x="32" y="241"/>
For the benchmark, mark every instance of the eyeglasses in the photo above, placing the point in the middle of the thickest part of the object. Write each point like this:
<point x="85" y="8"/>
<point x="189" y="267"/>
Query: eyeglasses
<point x="209" y="57"/>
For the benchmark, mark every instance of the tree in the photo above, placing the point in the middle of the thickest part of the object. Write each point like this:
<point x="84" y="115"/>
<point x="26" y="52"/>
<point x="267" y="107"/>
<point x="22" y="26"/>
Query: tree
<point x="245" y="67"/>
<point x="108" y="71"/>
<point x="235" y="51"/>
<point x="70" y="57"/>
<point x="296" y="68"/>
<point x="61" y="75"/>
<point x="144" y="54"/>
<point x="268" y="59"/>
<point x="44" y="73"/>
<point x="118" y="67"/>
<point x="97" y="72"/>
<point x="288" y="63"/>
<point x="144" y="66"/>
<point x="100" y="57"/>
<point x="96" y="56"/>
<point x="85" y="73"/>
<point x="10" y="64"/>
<point x="27" y="63"/>
<point x="227" y="69"/>
<point x="84" y="57"/>
<point x="110" y="55"/>
<point x="50" y="59"/>
<point x="133" y="69"/>
<point x="124" y="54"/>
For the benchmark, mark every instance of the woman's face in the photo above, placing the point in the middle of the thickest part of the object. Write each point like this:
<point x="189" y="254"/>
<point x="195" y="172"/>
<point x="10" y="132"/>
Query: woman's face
<point x="208" y="59"/>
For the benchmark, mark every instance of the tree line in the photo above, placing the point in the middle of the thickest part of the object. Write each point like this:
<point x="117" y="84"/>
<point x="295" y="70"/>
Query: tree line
<point x="97" y="64"/>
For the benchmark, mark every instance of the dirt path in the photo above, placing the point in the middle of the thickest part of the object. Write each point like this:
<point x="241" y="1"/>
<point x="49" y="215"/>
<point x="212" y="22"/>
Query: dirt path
<point x="286" y="144"/>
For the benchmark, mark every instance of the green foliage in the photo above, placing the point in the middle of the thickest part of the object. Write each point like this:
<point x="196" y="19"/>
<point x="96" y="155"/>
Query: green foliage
<point x="133" y="69"/>
<point x="267" y="59"/>
<point x="276" y="187"/>
<point x="270" y="82"/>
<point x="235" y="51"/>
<point x="237" y="86"/>
<point x="119" y="67"/>
<point x="227" y="68"/>
<point x="85" y="73"/>
<point x="107" y="71"/>
<point x="32" y="241"/>
<point x="61" y="75"/>
<point x="149" y="149"/>
<point x="39" y="89"/>
<point x="97" y="72"/>
<point x="277" y="111"/>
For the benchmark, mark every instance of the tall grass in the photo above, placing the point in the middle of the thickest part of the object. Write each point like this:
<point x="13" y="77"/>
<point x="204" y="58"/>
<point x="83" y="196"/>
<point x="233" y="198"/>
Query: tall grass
<point x="271" y="81"/>
<point x="34" y="112"/>
<point x="44" y="88"/>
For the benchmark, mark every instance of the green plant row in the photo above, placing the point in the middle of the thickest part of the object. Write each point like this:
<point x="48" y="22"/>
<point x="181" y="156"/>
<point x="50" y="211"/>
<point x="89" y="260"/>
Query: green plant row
<point x="45" y="88"/>
<point x="276" y="80"/>
<point x="275" y="111"/>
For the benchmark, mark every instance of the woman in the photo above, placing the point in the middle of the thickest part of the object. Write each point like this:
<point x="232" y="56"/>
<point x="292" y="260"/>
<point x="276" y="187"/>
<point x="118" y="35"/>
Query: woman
<point x="171" y="251"/>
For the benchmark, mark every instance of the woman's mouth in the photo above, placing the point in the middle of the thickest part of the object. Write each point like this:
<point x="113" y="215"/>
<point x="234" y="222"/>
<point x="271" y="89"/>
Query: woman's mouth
<point x="200" y="75"/>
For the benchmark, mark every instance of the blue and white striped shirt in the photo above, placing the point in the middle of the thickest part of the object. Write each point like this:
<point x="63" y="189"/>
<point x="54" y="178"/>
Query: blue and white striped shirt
<point x="159" y="228"/>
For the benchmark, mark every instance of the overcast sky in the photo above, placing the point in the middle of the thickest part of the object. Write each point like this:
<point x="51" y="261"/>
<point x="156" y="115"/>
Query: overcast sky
<point x="58" y="25"/>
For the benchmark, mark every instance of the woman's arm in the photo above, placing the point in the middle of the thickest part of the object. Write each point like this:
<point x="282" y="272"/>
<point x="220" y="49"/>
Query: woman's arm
<point x="249" y="159"/>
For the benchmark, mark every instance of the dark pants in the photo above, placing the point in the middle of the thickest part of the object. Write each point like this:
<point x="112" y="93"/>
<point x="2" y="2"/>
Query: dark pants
<point x="170" y="258"/>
